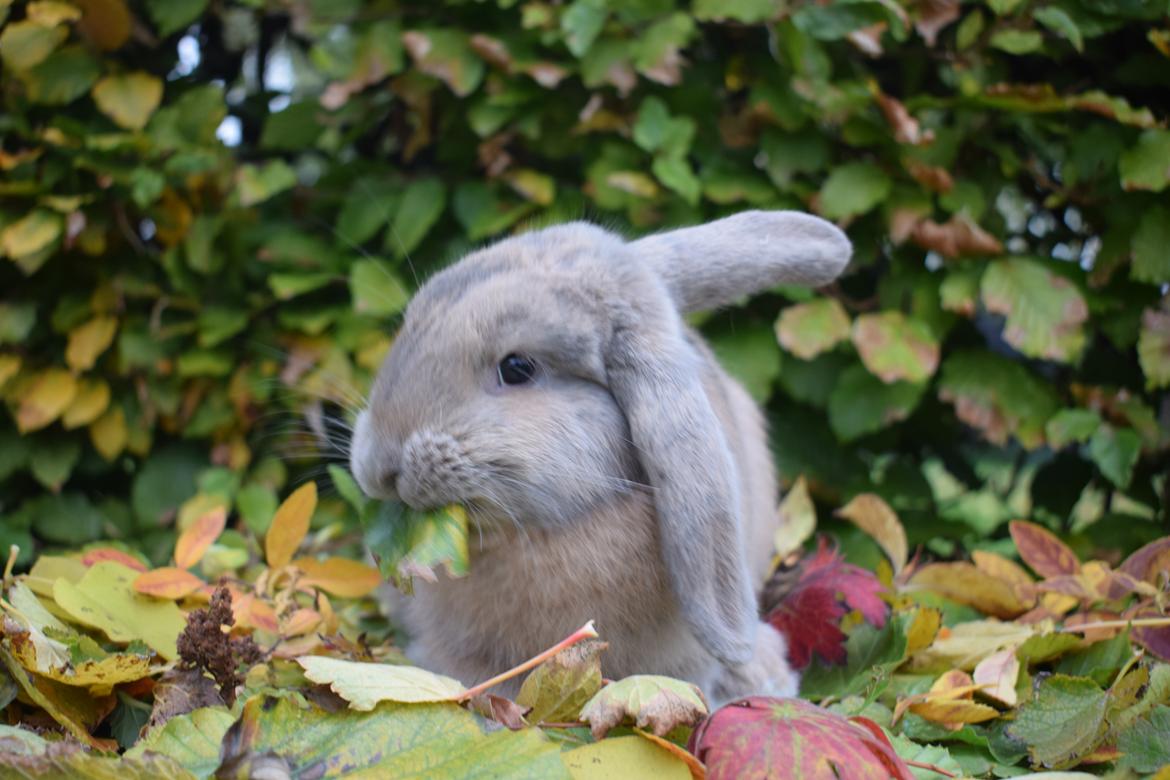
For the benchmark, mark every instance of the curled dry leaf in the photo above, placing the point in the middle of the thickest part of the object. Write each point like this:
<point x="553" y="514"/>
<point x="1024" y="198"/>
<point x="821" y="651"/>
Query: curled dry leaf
<point x="760" y="737"/>
<point x="957" y="237"/>
<point x="660" y="704"/>
<point x="502" y="710"/>
<point x="931" y="16"/>
<point x="997" y="675"/>
<point x="906" y="128"/>
<point x="950" y="702"/>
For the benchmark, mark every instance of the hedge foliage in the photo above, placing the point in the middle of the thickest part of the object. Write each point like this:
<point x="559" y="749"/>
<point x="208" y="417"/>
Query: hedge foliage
<point x="211" y="214"/>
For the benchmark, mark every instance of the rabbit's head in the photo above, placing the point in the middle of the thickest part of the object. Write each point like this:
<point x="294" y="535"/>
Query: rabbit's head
<point x="551" y="372"/>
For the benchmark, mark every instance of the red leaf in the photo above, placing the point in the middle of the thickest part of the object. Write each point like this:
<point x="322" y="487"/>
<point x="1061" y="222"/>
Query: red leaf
<point x="1040" y="549"/>
<point x="1138" y="564"/>
<point x="760" y="737"/>
<point x="1156" y="639"/>
<point x="810" y="614"/>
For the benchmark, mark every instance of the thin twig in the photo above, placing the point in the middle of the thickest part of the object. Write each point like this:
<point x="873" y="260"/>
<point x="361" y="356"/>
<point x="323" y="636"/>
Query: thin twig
<point x="930" y="767"/>
<point x="1160" y="622"/>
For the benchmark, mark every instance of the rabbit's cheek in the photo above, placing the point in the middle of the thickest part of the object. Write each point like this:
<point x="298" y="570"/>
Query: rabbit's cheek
<point x="435" y="470"/>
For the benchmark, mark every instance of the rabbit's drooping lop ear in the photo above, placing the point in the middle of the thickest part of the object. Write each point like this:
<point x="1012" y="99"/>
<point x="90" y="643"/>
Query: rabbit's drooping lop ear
<point x="713" y="265"/>
<point x="655" y="375"/>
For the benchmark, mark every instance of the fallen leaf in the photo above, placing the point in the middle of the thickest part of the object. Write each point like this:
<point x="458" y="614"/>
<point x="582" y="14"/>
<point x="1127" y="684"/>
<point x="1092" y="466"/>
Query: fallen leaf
<point x="949" y="702"/>
<point x="966" y="584"/>
<point x="964" y="645"/>
<point x="809" y="614"/>
<point x="340" y="577"/>
<point x="798" y="519"/>
<point x="364" y="685"/>
<point x="623" y="757"/>
<point x="660" y="704"/>
<point x="290" y="525"/>
<point x="998" y="672"/>
<point x="870" y="513"/>
<point x="200" y="535"/>
<point x="169" y="583"/>
<point x="1064" y="722"/>
<point x="95" y="554"/>
<point x="1042" y="551"/>
<point x="556" y="690"/>
<point x="761" y="737"/>
<point x="503" y="711"/>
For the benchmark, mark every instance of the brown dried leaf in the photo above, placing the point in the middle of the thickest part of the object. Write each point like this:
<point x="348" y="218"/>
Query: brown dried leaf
<point x="931" y="16"/>
<point x="874" y="516"/>
<point x="650" y="701"/>
<point x="180" y="691"/>
<point x="556" y="690"/>
<point x="503" y="711"/>
<point x="954" y="238"/>
<point x="1042" y="551"/>
<point x="906" y="128"/>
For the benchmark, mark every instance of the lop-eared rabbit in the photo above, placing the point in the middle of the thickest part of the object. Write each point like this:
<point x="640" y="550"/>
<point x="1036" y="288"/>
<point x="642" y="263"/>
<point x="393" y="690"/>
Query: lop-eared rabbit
<point x="611" y="469"/>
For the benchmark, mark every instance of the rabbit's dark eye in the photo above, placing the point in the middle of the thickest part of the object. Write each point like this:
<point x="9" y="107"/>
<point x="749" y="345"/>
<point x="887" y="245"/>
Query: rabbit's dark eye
<point x="516" y="370"/>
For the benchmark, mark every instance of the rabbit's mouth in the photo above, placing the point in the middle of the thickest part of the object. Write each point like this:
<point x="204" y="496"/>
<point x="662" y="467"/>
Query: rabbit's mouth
<point x="435" y="470"/>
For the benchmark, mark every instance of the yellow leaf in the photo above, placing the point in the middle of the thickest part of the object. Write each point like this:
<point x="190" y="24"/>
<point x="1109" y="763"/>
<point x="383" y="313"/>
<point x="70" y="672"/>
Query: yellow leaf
<point x="289" y="525"/>
<point x="99" y="675"/>
<point x="9" y="365"/>
<point x="108" y="433"/>
<point x="52" y="12"/>
<point x="963" y="646"/>
<point x="1003" y="569"/>
<point x="92" y="399"/>
<point x="923" y="629"/>
<point x="88" y="341"/>
<point x="953" y="713"/>
<point x="105" y="599"/>
<point x="44" y="397"/>
<point x="27" y="43"/>
<point x="130" y="99"/>
<point x="193" y="542"/>
<point x="32" y="233"/>
<point x="623" y="757"/>
<point x="963" y="582"/>
<point x="798" y="519"/>
<point x="50" y="568"/>
<point x="874" y="516"/>
<point x="339" y="576"/>
<point x="364" y="685"/>
<point x="167" y="583"/>
<point x="302" y="621"/>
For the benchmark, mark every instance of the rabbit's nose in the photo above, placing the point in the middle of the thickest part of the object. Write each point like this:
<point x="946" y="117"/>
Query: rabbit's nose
<point x="374" y="460"/>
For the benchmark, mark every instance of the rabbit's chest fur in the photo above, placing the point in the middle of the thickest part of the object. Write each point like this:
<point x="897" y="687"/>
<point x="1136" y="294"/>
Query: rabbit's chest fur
<point x="529" y="590"/>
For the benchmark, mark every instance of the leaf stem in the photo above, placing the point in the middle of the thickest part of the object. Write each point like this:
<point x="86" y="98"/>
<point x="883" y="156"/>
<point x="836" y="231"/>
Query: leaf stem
<point x="929" y="767"/>
<point x="1159" y="622"/>
<point x="584" y="632"/>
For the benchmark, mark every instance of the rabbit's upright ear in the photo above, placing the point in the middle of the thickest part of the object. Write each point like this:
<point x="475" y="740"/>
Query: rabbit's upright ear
<point x="656" y="377"/>
<point x="713" y="265"/>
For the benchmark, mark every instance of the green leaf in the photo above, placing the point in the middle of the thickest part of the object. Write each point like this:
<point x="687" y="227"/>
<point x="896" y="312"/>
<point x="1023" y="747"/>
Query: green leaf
<point x="1017" y="41"/>
<point x="808" y="329"/>
<point x="376" y="289"/>
<point x="656" y="130"/>
<point x="556" y="690"/>
<point x="447" y="55"/>
<point x="423" y="202"/>
<point x="833" y="22"/>
<point x="16" y="321"/>
<point x="1116" y="452"/>
<point x="217" y="324"/>
<point x="1057" y="19"/>
<point x="173" y="15"/>
<point x="1153" y="348"/>
<point x="629" y="756"/>
<point x="435" y="741"/>
<point x="25" y="44"/>
<point x="1045" y="313"/>
<point x="1151" y="247"/>
<point x="1146" y="164"/>
<point x="408" y="543"/>
<point x="130" y="99"/>
<point x="1071" y="425"/>
<point x="871" y="653"/>
<point x="366" y="211"/>
<point x="62" y="77"/>
<point x="165" y="481"/>
<point x="659" y="704"/>
<point x="997" y="396"/>
<point x="861" y="403"/>
<point x="746" y="11"/>
<point x="677" y="174"/>
<point x="192" y="740"/>
<point x="52" y="461"/>
<point x="790" y="154"/>
<point x="127" y="720"/>
<point x="257" y="504"/>
<point x="66" y="519"/>
<point x="483" y="212"/>
<point x="256" y="184"/>
<point x="854" y="188"/>
<point x="1146" y="744"/>
<point x="894" y="347"/>
<point x="1100" y="661"/>
<point x="750" y="355"/>
<point x="35" y="232"/>
<point x="1064" y="722"/>
<point x="581" y="23"/>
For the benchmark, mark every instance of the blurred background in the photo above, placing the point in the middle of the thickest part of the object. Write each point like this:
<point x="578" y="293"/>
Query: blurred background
<point x="213" y="213"/>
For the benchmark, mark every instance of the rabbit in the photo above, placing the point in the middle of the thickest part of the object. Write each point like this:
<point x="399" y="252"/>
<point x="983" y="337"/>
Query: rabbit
<point x="611" y="469"/>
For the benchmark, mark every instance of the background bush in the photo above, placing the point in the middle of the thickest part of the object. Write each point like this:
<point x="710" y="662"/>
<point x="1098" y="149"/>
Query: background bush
<point x="212" y="213"/>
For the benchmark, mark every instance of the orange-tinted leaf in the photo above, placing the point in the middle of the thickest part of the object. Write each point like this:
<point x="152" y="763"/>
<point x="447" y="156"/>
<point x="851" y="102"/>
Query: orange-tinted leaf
<point x="251" y="612"/>
<point x="300" y="622"/>
<point x="168" y="583"/>
<point x="339" y="576"/>
<point x="963" y="582"/>
<point x="290" y="525"/>
<point x="200" y="535"/>
<point x="1001" y="568"/>
<point x="1142" y="563"/>
<point x="956" y="237"/>
<point x="953" y="713"/>
<point x="1041" y="550"/>
<point x="95" y="554"/>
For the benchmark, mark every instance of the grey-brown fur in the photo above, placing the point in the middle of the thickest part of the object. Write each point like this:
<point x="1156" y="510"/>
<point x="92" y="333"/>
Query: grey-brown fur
<point x="630" y="483"/>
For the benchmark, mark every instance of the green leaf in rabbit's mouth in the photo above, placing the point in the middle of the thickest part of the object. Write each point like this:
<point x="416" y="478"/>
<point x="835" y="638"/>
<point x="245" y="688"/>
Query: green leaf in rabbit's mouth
<point x="409" y="543"/>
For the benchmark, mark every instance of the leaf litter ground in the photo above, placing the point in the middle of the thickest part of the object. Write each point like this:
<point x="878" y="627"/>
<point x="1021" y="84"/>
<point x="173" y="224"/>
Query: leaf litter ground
<point x="1049" y="666"/>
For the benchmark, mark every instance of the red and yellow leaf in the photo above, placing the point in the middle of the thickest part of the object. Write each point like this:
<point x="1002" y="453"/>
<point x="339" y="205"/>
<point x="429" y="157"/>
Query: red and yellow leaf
<point x="168" y="583"/>
<point x="290" y="525"/>
<point x="1042" y="551"/>
<point x="200" y="535"/>
<point x="339" y="576"/>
